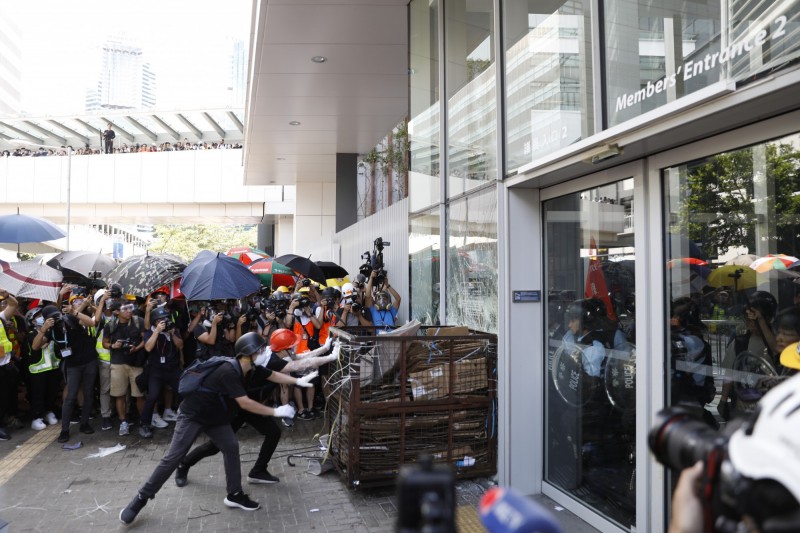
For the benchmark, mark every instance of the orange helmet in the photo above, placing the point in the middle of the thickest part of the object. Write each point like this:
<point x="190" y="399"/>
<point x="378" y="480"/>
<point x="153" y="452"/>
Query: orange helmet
<point x="283" y="339"/>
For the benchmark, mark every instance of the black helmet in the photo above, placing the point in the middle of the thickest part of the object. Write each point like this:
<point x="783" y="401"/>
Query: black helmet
<point x="249" y="343"/>
<point x="590" y="311"/>
<point x="51" y="311"/>
<point x="687" y="312"/>
<point x="115" y="291"/>
<point x="30" y="316"/>
<point x="765" y="303"/>
<point x="328" y="293"/>
<point x="158" y="314"/>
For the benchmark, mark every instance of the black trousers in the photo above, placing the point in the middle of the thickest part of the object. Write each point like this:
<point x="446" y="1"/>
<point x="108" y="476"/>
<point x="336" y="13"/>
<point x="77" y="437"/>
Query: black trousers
<point x="263" y="424"/>
<point x="45" y="388"/>
<point x="108" y="146"/>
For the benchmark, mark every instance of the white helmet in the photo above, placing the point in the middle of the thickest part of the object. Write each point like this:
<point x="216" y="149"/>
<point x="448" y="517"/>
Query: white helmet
<point x="348" y="290"/>
<point x="769" y="451"/>
<point x="99" y="294"/>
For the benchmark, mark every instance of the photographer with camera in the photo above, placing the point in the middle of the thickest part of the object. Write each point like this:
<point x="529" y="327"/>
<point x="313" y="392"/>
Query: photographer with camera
<point x="123" y="336"/>
<point x="163" y="343"/>
<point x="351" y="311"/>
<point x="384" y="304"/>
<point x="217" y="332"/>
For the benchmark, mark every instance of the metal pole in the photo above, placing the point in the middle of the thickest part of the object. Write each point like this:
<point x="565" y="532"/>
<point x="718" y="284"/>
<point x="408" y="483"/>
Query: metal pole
<point x="69" y="190"/>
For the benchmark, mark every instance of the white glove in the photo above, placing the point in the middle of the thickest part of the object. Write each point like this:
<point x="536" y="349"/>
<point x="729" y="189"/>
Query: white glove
<point x="328" y="342"/>
<point x="284" y="411"/>
<point x="305" y="380"/>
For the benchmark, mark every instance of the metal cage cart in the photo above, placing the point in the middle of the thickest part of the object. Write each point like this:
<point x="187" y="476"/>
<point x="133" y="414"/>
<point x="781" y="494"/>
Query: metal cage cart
<point x="395" y="396"/>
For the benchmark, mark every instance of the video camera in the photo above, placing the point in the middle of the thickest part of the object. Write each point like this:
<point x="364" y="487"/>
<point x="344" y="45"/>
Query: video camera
<point x="374" y="261"/>
<point x="750" y="467"/>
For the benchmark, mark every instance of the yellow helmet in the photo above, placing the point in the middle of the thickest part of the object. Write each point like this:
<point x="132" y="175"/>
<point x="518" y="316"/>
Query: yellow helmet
<point x="790" y="358"/>
<point x="283" y="289"/>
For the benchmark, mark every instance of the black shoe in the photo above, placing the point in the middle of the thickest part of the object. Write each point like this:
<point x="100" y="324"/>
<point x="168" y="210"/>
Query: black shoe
<point x="305" y="415"/>
<point x="240" y="500"/>
<point x="128" y="514"/>
<point x="262" y="477"/>
<point x="181" y="476"/>
<point x="87" y="429"/>
<point x="145" y="432"/>
<point x="4" y="434"/>
<point x="76" y="417"/>
<point x="63" y="436"/>
<point x="106" y="424"/>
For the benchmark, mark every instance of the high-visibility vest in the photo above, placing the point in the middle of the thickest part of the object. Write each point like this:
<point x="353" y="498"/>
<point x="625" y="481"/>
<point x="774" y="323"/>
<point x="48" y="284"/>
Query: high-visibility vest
<point x="48" y="361"/>
<point x="104" y="354"/>
<point x="8" y="348"/>
<point x="298" y="329"/>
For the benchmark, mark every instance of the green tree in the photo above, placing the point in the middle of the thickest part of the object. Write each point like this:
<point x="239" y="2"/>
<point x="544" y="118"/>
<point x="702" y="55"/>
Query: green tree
<point x="186" y="241"/>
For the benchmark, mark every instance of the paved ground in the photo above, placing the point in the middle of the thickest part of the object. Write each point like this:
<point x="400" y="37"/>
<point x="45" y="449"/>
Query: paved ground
<point x="46" y="488"/>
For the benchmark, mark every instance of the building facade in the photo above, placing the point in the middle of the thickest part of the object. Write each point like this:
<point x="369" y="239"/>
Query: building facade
<point x="592" y="180"/>
<point x="124" y="81"/>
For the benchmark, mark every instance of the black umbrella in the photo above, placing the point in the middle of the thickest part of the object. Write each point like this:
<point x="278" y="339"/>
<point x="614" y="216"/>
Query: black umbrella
<point x="215" y="276"/>
<point x="142" y="274"/>
<point x="83" y="263"/>
<point x="304" y="266"/>
<point x="332" y="270"/>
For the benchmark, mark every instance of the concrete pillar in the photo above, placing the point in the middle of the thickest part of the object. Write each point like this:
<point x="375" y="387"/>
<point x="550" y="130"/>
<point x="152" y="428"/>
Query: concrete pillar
<point x="315" y="217"/>
<point x="284" y="235"/>
<point x="266" y="237"/>
<point x="346" y="190"/>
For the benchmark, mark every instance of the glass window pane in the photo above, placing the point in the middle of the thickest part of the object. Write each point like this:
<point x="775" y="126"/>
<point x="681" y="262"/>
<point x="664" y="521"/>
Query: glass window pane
<point x="471" y="99"/>
<point x="548" y="77"/>
<point x="590" y="396"/>
<point x="472" y="262"/>
<point x="423" y="250"/>
<point x="423" y="127"/>
<point x="651" y="48"/>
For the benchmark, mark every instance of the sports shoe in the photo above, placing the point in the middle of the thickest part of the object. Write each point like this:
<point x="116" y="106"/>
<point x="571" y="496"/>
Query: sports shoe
<point x="145" y="433"/>
<point x="4" y="434"/>
<point x="87" y="429"/>
<point x="124" y="428"/>
<point x="128" y="514"/>
<point x="158" y="422"/>
<point x="288" y="422"/>
<point x="181" y="475"/>
<point x="63" y="436"/>
<point x="76" y="417"/>
<point x="305" y="415"/>
<point x="38" y="424"/>
<point x="240" y="500"/>
<point x="106" y="424"/>
<point x="51" y="419"/>
<point x="262" y="477"/>
<point x="170" y="415"/>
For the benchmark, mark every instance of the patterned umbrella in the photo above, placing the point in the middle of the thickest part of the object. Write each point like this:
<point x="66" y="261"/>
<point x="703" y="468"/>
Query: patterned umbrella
<point x="272" y="274"/>
<point x="247" y="255"/>
<point x="773" y="262"/>
<point x="215" y="276"/>
<point x="142" y="274"/>
<point x="30" y="279"/>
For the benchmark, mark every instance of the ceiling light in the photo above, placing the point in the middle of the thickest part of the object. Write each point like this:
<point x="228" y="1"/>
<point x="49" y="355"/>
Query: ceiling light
<point x="294" y="123"/>
<point x="609" y="151"/>
<point x="319" y="59"/>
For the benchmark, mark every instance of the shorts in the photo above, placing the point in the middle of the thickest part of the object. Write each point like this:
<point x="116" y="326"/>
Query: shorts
<point x="121" y="377"/>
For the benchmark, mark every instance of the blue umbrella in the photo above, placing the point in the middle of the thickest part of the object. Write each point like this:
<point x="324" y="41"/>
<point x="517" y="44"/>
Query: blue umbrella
<point x="215" y="276"/>
<point x="23" y="228"/>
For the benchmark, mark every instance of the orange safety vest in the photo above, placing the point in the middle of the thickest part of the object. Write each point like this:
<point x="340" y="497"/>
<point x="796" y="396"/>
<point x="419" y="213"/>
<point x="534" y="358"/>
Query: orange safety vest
<point x="302" y="335"/>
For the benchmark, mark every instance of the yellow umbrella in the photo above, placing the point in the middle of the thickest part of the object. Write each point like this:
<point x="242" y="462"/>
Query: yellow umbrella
<point x="337" y="282"/>
<point x="736" y="276"/>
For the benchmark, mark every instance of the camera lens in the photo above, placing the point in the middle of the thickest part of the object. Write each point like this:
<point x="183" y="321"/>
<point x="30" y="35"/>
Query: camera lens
<point x="679" y="440"/>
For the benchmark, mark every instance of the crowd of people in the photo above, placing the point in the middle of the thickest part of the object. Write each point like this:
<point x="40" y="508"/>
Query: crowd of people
<point x="100" y="355"/>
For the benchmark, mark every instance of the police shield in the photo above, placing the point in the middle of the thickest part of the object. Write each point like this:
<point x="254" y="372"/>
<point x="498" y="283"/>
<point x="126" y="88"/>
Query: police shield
<point x="619" y="377"/>
<point x="748" y="369"/>
<point x="573" y="385"/>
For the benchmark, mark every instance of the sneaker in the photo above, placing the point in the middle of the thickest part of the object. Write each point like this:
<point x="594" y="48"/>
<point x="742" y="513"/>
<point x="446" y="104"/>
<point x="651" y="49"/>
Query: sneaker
<point x="51" y="419"/>
<point x="240" y="500"/>
<point x="145" y="433"/>
<point x="305" y="415"/>
<point x="262" y="477"/>
<point x="170" y="415"/>
<point x="106" y="424"/>
<point x="4" y="434"/>
<point x="181" y="475"/>
<point x="87" y="429"/>
<point x="124" y="428"/>
<point x="158" y="422"/>
<point x="288" y="422"/>
<point x="76" y="416"/>
<point x="38" y="424"/>
<point x="128" y="514"/>
<point x="63" y="436"/>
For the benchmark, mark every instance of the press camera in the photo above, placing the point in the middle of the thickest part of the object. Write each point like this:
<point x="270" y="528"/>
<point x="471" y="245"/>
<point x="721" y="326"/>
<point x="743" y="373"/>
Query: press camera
<point x="373" y="262"/>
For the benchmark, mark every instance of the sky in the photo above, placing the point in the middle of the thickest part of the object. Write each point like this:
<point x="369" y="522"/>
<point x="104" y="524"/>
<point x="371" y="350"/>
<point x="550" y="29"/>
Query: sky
<point x="187" y="43"/>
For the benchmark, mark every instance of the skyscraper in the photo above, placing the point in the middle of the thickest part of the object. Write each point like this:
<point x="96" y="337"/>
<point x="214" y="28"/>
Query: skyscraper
<point x="238" y="84"/>
<point x="124" y="81"/>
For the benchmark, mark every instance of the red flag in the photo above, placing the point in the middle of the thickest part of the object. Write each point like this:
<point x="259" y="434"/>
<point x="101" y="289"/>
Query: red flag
<point x="596" y="280"/>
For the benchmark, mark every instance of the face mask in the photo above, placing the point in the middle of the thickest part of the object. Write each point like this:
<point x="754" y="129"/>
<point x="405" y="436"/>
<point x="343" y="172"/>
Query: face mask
<point x="262" y="358"/>
<point x="39" y="321"/>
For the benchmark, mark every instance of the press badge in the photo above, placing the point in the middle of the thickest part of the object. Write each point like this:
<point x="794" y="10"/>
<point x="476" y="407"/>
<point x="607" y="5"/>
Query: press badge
<point x="66" y="352"/>
<point x="163" y="359"/>
<point x="305" y="336"/>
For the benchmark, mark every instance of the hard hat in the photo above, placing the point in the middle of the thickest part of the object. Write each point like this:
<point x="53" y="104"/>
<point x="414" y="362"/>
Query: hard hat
<point x="283" y="289"/>
<point x="347" y="290"/>
<point x="99" y="294"/>
<point x="790" y="358"/>
<point x="250" y="343"/>
<point x="283" y="339"/>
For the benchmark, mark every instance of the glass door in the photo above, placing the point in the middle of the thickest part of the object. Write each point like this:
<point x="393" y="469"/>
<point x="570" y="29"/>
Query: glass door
<point x="590" y="391"/>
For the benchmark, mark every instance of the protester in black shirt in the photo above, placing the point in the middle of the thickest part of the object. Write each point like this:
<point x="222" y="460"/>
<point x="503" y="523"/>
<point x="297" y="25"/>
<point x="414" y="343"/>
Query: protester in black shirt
<point x="211" y="413"/>
<point x="108" y="139"/>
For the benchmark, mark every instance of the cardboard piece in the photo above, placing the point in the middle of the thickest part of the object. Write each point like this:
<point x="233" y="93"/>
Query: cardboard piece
<point x="434" y="383"/>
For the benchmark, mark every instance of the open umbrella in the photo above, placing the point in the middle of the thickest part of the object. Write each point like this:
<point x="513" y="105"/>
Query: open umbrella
<point x="736" y="276"/>
<point x="215" y="276"/>
<point x="773" y="262"/>
<point x="30" y="279"/>
<point x="303" y="265"/>
<point x="23" y="228"/>
<point x="337" y="282"/>
<point x="247" y="255"/>
<point x="83" y="263"/>
<point x="142" y="274"/>
<point x="332" y="270"/>
<point x="742" y="260"/>
<point x="271" y="273"/>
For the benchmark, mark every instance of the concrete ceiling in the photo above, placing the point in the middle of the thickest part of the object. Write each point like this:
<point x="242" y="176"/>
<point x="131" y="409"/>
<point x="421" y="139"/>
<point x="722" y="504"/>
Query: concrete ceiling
<point x="345" y="105"/>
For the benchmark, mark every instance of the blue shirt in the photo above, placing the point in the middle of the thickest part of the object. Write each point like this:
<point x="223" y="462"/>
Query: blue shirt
<point x="383" y="318"/>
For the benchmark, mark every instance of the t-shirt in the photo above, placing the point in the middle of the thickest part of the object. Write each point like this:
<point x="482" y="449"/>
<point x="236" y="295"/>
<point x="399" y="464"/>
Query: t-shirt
<point x="163" y="355"/>
<point x="129" y="331"/>
<point x="75" y="339"/>
<point x="216" y="408"/>
<point x="221" y="347"/>
<point x="383" y="318"/>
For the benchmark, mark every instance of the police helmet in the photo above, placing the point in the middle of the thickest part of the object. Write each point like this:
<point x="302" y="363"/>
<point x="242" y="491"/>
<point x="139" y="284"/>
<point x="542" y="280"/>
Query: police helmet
<point x="590" y="312"/>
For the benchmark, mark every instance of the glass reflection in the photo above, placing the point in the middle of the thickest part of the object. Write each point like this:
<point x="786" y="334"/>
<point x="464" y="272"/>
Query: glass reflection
<point x="424" y="249"/>
<point x="591" y="373"/>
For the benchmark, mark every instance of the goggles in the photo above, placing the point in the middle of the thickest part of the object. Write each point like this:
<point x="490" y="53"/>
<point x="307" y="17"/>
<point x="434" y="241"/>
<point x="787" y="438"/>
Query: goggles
<point x="126" y="307"/>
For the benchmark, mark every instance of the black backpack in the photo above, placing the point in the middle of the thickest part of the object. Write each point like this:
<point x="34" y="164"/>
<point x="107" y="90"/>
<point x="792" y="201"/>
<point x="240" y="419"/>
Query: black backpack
<point x="191" y="379"/>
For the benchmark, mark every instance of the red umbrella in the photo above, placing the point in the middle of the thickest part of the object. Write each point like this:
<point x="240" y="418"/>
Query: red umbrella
<point x="272" y="274"/>
<point x="247" y="255"/>
<point x="686" y="261"/>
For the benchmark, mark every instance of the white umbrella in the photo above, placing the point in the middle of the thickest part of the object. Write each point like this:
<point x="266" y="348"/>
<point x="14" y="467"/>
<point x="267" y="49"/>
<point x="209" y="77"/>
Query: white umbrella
<point x="30" y="279"/>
